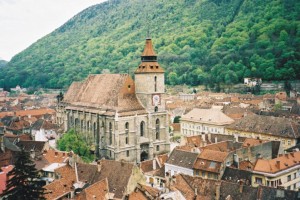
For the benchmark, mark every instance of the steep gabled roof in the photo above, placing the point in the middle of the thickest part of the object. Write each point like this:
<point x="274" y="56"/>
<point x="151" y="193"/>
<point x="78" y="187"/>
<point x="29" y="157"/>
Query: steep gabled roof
<point x="182" y="158"/>
<point x="106" y="92"/>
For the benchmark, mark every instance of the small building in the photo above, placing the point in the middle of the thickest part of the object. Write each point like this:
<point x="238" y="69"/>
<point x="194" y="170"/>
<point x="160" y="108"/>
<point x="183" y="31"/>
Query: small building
<point x="210" y="164"/>
<point x="180" y="162"/>
<point x="266" y="128"/>
<point x="251" y="82"/>
<point x="282" y="171"/>
<point x="203" y="121"/>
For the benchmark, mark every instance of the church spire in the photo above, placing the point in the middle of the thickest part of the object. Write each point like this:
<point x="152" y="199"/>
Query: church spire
<point x="148" y="55"/>
<point x="149" y="60"/>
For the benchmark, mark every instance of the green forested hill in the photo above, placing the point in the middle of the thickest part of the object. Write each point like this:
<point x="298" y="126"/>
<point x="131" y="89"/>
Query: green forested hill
<point x="2" y="63"/>
<point x="198" y="42"/>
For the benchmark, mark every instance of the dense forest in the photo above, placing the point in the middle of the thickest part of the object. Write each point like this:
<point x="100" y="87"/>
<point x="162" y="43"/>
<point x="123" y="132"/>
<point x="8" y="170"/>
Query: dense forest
<point x="2" y="63"/>
<point x="207" y="42"/>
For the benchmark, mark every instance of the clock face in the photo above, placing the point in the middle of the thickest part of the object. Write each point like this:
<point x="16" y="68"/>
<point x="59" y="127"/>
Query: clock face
<point x="156" y="99"/>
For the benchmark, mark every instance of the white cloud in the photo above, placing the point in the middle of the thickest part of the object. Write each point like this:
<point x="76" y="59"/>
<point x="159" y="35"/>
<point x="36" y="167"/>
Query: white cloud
<point x="22" y="22"/>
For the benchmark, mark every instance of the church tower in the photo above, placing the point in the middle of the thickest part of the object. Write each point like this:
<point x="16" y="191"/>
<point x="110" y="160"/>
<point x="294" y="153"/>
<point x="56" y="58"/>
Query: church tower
<point x="150" y="80"/>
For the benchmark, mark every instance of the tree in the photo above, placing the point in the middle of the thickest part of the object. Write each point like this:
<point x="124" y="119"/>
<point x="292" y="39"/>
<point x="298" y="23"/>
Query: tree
<point x="23" y="182"/>
<point x="79" y="143"/>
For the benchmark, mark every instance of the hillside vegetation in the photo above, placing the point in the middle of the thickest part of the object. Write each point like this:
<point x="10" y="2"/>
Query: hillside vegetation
<point x="197" y="41"/>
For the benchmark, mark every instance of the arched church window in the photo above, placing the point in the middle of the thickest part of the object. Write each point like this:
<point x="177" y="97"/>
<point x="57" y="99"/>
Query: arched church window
<point x="76" y="124"/>
<point x="157" y="129"/>
<point x="88" y="126"/>
<point x="126" y="133"/>
<point x="155" y="109"/>
<point x="142" y="128"/>
<point x="155" y="83"/>
<point x="110" y="133"/>
<point x="95" y="129"/>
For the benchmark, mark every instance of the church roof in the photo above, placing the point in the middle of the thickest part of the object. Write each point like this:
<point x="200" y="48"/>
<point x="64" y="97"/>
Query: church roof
<point x="105" y="92"/>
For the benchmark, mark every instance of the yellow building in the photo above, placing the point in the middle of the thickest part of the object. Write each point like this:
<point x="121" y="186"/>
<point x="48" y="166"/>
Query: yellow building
<point x="281" y="171"/>
<point x="266" y="128"/>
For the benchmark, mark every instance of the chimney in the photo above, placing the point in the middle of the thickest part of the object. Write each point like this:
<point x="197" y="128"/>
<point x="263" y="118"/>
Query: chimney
<point x="241" y="186"/>
<point x="286" y="155"/>
<point x="292" y="154"/>
<point x="218" y="190"/>
<point x="196" y="192"/>
<point x="278" y="164"/>
<point x="154" y="164"/>
<point x="99" y="166"/>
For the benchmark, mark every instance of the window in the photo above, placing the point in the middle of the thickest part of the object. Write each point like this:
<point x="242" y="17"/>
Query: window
<point x="288" y="188"/>
<point x="295" y="175"/>
<point x="258" y="180"/>
<point x="126" y="132"/>
<point x="155" y="83"/>
<point x="289" y="178"/>
<point x="289" y="142"/>
<point x="157" y="148"/>
<point x="127" y="153"/>
<point x="142" y="128"/>
<point x="157" y="127"/>
<point x="110" y="133"/>
<point x="155" y="109"/>
<point x="203" y="174"/>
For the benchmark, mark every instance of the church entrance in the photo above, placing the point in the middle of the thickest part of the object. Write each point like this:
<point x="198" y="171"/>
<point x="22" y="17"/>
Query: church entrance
<point x="144" y="152"/>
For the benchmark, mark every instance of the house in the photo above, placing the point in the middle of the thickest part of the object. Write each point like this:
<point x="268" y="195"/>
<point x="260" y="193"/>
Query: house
<point x="180" y="162"/>
<point x="43" y="130"/>
<point x="203" y="121"/>
<point x="196" y="188"/>
<point x="154" y="170"/>
<point x="143" y="192"/>
<point x="98" y="190"/>
<point x="210" y="164"/>
<point x="124" y="118"/>
<point x="82" y="181"/>
<point x="267" y="128"/>
<point x="281" y="171"/>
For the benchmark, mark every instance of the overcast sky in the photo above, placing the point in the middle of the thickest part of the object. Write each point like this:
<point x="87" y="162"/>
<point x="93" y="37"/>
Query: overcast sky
<point x="23" y="22"/>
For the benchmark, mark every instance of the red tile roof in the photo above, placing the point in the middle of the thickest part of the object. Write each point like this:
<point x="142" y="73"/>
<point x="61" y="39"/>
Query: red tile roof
<point x="3" y="177"/>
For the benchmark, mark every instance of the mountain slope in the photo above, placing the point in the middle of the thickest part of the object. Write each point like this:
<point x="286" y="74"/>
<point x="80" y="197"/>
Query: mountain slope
<point x="198" y="41"/>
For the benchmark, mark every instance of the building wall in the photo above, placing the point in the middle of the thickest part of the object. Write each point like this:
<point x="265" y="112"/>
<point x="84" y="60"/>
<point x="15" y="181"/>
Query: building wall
<point x="136" y="177"/>
<point x="285" y="143"/>
<point x="292" y="183"/>
<point x="173" y="170"/>
<point x="190" y="128"/>
<point x="111" y="143"/>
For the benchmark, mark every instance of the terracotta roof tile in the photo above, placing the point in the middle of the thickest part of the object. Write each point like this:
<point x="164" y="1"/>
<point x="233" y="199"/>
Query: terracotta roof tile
<point x="94" y="92"/>
<point x="280" y="163"/>
<point x="96" y="191"/>
<point x="63" y="185"/>
<point x="53" y="156"/>
<point x="269" y="125"/>
<point x="212" y="155"/>
<point x="210" y="116"/>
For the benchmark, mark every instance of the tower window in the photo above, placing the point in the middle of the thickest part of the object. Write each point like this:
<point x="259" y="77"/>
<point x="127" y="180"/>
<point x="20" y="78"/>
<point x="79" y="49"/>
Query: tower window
<point x="157" y="148"/>
<point x="142" y="128"/>
<point x="126" y="132"/>
<point x="157" y="129"/>
<point x="155" y="83"/>
<point x="110" y="133"/>
<point x="155" y="109"/>
<point x="127" y="153"/>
